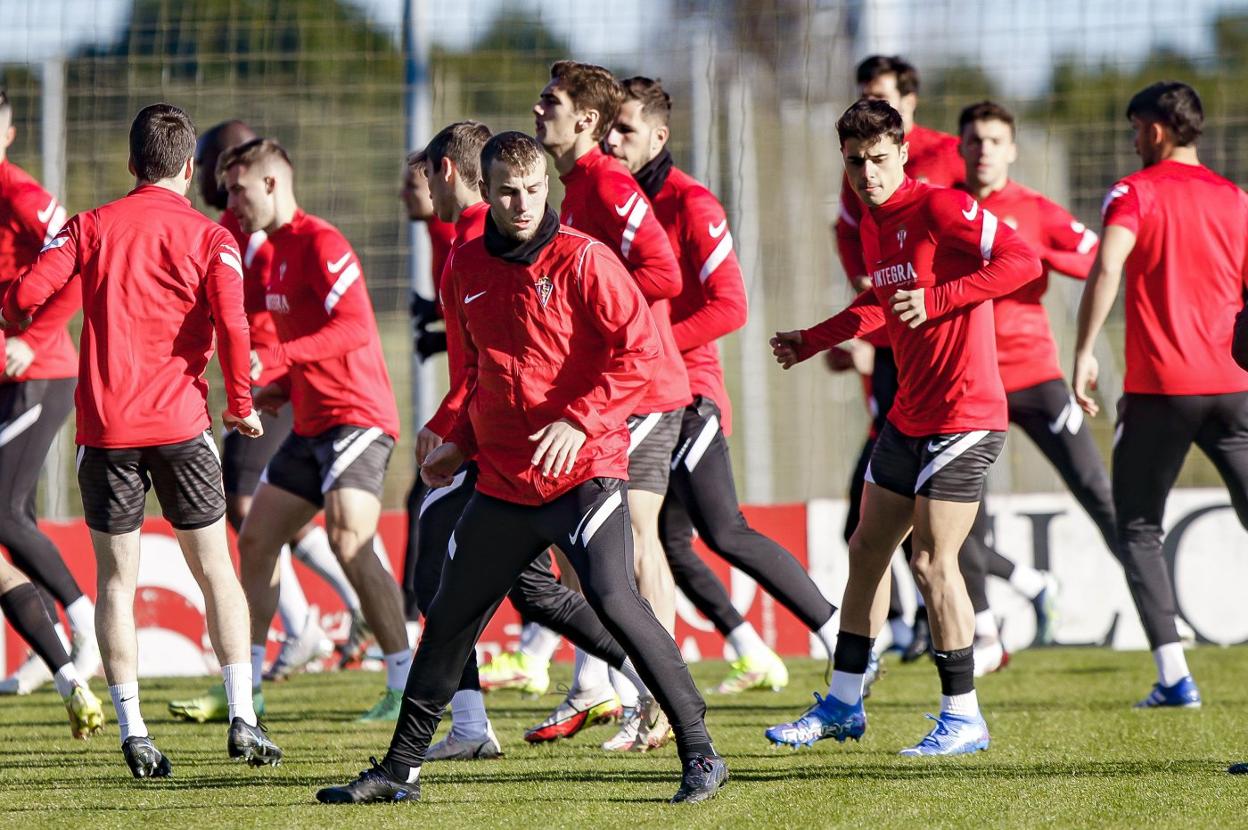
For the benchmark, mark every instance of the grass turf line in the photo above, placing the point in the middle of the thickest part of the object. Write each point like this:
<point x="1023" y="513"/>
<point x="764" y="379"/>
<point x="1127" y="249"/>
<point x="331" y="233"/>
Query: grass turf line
<point x="1067" y="751"/>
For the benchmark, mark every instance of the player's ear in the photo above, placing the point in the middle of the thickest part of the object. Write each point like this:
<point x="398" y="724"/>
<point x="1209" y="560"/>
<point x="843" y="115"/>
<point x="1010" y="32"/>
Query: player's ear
<point x="588" y="120"/>
<point x="188" y="172"/>
<point x="270" y="184"/>
<point x="9" y="136"/>
<point x="130" y="166"/>
<point x="446" y="169"/>
<point x="661" y="133"/>
<point x="904" y="152"/>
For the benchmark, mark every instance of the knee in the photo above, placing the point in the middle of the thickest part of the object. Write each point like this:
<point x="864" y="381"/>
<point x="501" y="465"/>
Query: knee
<point x="348" y="545"/>
<point x="932" y="571"/>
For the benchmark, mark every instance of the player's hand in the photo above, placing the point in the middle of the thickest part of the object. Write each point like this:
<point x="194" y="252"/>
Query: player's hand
<point x="910" y="307"/>
<point x="438" y="469"/>
<point x="257" y="366"/>
<point x="784" y="346"/>
<point x="557" y="447"/>
<point x="426" y="442"/>
<point x="270" y="399"/>
<point x="18" y="356"/>
<point x="1083" y="381"/>
<point x="858" y="355"/>
<point x="249" y="426"/>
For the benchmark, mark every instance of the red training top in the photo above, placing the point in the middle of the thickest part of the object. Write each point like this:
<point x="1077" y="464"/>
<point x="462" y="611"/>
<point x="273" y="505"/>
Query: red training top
<point x="158" y="279"/>
<point x="470" y="226"/>
<point x="566" y="337"/>
<point x="1026" y="351"/>
<point x="327" y="330"/>
<point x="441" y="239"/>
<point x="939" y="240"/>
<point x="257" y="260"/>
<point x="712" y="300"/>
<point x="602" y="199"/>
<point x="29" y="218"/>
<point x="1185" y="277"/>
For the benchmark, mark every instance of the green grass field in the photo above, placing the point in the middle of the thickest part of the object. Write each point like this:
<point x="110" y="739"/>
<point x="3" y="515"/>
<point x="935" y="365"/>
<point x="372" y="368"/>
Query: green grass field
<point x="1067" y="752"/>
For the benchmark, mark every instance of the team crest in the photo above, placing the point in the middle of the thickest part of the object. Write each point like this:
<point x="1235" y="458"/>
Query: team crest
<point x="901" y="237"/>
<point x="544" y="289"/>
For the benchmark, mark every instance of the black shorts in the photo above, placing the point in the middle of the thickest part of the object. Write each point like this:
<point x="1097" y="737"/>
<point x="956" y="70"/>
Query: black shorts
<point x="187" y="478"/>
<point x="943" y="467"/>
<point x="243" y="459"/>
<point x="651" y="441"/>
<point x="347" y="456"/>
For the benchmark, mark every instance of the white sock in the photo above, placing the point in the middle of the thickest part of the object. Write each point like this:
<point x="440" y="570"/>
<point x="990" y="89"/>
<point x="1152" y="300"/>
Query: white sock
<point x="1027" y="580"/>
<point x="746" y="642"/>
<point x="126" y="702"/>
<point x="66" y="678"/>
<point x="625" y="689"/>
<point x="237" y="679"/>
<point x="966" y="705"/>
<point x="986" y="627"/>
<point x="64" y="637"/>
<point x="539" y="642"/>
<point x="903" y="632"/>
<point x="397" y="665"/>
<point x="314" y="551"/>
<point x="257" y="666"/>
<point x="1171" y="663"/>
<point x="81" y="613"/>
<point x="413" y="634"/>
<point x="589" y="675"/>
<point x="827" y="633"/>
<point x="846" y="687"/>
<point x="468" y="718"/>
<point x="292" y="605"/>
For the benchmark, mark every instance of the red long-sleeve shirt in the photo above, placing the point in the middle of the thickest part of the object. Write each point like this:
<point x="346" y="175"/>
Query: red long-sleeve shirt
<point x="442" y="238"/>
<point x="257" y="260"/>
<point x="566" y="337"/>
<point x="158" y="280"/>
<point x="1026" y="351"/>
<point x="327" y="331"/>
<point x="603" y="200"/>
<point x="29" y="218"/>
<point x="712" y="300"/>
<point x="932" y="159"/>
<point x="939" y="240"/>
<point x="470" y="226"/>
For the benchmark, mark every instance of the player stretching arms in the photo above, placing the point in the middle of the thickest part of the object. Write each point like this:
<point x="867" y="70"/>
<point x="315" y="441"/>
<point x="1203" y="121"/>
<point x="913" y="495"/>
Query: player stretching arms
<point x="559" y="346"/>
<point x="938" y="256"/>
<point x="345" y="420"/>
<point x="38" y="370"/>
<point x="1179" y="232"/>
<point x="158" y="281"/>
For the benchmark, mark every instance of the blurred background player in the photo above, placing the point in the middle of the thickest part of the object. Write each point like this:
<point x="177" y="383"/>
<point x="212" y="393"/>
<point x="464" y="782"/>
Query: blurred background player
<point x="38" y="371"/>
<point x="345" y="418"/>
<point x="158" y="281"/>
<point x="1179" y="233"/>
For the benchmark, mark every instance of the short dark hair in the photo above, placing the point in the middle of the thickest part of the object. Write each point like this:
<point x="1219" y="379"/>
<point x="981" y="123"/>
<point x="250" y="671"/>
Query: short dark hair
<point x="649" y="92"/>
<point x="591" y="87"/>
<point x="162" y="139"/>
<point x="460" y="142"/>
<point x="877" y="65"/>
<point x="250" y="152"/>
<point x="985" y="111"/>
<point x="869" y="120"/>
<point x="1174" y="105"/>
<point x="515" y="149"/>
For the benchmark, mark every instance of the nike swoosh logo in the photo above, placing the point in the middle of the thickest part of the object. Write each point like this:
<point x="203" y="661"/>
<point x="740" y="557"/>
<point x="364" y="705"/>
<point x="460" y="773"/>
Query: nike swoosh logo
<point x="717" y="230"/>
<point x="627" y="206"/>
<point x="937" y="446"/>
<point x="342" y="443"/>
<point x="580" y="525"/>
<point x="970" y="214"/>
<point x="335" y="267"/>
<point x="46" y="214"/>
<point x="470" y="297"/>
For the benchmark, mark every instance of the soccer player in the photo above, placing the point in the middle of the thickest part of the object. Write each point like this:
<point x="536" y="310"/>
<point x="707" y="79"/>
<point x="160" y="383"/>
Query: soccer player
<point x="701" y="495"/>
<point x="158" y="281"/>
<point x="933" y="158"/>
<point x="345" y="418"/>
<point x="1179" y="232"/>
<point x="559" y="346"/>
<point x="938" y="256"/>
<point x="38" y="369"/>
<point x="573" y="114"/>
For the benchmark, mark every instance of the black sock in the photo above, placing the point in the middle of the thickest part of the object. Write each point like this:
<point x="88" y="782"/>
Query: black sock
<point x="396" y="769"/>
<point x="957" y="671"/>
<point x="24" y="608"/>
<point x="853" y="653"/>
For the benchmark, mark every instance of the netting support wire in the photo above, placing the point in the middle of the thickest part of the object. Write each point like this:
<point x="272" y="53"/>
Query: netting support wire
<point x="57" y="465"/>
<point x="417" y="112"/>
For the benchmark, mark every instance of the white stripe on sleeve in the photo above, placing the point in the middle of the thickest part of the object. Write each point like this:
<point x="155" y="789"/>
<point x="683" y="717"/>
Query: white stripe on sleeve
<point x="721" y="252"/>
<point x="988" y="235"/>
<point x="634" y="222"/>
<point x="344" y="282"/>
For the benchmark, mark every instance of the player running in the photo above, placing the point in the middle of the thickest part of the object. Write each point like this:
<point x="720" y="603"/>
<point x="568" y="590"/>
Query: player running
<point x="937" y="257"/>
<point x="345" y="419"/>
<point x="1179" y="232"/>
<point x="38" y="370"/>
<point x="158" y="280"/>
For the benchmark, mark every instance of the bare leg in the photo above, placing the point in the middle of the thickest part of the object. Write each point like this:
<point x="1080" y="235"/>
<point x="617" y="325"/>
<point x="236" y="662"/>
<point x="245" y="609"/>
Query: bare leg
<point x="117" y="575"/>
<point x="885" y="521"/>
<point x="940" y="529"/>
<point x="654" y="575"/>
<point x="207" y="554"/>
<point x="275" y="517"/>
<point x="351" y="518"/>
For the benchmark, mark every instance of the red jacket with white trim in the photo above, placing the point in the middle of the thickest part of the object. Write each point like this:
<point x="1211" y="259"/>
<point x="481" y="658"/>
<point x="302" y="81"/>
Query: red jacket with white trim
<point x="566" y="337"/>
<point x="159" y="279"/>
<point x="602" y="199"/>
<point x="257" y="254"/>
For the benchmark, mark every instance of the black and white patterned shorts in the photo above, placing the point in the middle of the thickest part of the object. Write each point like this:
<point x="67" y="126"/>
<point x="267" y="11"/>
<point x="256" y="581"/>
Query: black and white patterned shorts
<point x="346" y="456"/>
<point x="651" y="441"/>
<point x="949" y="467"/>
